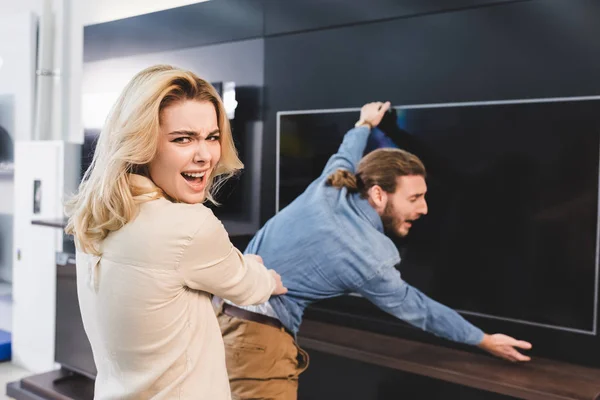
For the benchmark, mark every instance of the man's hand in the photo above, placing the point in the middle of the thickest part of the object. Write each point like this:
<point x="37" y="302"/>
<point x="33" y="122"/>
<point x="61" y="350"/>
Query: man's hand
<point x="372" y="113"/>
<point x="279" y="288"/>
<point x="504" y="347"/>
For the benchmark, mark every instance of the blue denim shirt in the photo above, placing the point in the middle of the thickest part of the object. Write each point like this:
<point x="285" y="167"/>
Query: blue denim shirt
<point x="328" y="242"/>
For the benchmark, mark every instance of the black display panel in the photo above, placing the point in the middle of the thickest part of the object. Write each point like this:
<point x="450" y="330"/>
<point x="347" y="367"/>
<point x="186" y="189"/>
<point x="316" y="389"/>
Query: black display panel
<point x="511" y="236"/>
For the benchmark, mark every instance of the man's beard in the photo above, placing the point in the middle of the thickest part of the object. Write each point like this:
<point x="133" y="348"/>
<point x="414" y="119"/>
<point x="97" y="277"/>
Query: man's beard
<point x="390" y="223"/>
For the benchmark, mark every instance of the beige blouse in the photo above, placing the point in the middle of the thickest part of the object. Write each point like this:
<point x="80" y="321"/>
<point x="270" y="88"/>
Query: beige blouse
<point x="146" y="307"/>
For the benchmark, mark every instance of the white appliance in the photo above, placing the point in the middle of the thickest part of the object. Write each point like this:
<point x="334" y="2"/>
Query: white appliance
<point x="45" y="171"/>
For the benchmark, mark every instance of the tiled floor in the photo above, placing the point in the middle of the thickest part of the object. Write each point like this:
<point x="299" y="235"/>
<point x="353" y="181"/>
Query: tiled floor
<point x="9" y="373"/>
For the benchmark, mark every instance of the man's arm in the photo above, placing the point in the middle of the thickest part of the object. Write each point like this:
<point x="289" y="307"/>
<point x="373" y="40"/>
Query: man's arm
<point x="353" y="146"/>
<point x="389" y="292"/>
<point x="393" y="295"/>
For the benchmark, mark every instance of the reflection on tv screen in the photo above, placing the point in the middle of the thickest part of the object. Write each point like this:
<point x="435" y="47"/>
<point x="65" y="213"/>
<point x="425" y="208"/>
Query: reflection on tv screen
<point x="513" y="203"/>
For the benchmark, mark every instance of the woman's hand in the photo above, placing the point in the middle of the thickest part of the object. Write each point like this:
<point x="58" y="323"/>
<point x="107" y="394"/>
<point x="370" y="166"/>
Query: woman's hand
<point x="279" y="288"/>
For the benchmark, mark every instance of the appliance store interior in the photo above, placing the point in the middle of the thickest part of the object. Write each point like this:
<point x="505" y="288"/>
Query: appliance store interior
<point x="498" y="98"/>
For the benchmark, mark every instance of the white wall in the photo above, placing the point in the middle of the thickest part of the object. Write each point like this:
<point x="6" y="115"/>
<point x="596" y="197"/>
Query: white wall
<point x="13" y="7"/>
<point x="7" y="121"/>
<point x="99" y="11"/>
<point x="20" y="62"/>
<point x="6" y="201"/>
<point x="69" y="16"/>
<point x="17" y="74"/>
<point x="17" y="85"/>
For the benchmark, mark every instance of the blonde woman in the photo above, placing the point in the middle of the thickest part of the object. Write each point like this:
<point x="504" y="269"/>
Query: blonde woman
<point x="149" y="253"/>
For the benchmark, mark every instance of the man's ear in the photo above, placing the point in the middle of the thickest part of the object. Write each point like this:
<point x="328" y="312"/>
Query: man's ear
<point x="377" y="198"/>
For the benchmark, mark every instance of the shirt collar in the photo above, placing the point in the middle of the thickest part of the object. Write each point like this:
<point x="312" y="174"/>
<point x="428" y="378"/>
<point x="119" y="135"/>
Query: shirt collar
<point x="142" y="188"/>
<point x="366" y="209"/>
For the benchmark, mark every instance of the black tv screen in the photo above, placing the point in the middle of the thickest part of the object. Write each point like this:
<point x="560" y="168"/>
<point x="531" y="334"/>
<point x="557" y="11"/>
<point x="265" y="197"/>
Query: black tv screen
<point x="511" y="236"/>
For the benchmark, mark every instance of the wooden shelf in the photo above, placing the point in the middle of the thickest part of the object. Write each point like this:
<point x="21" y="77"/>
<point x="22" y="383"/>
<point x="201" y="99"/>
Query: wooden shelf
<point x="14" y="390"/>
<point x="53" y="223"/>
<point x="55" y="385"/>
<point x="539" y="379"/>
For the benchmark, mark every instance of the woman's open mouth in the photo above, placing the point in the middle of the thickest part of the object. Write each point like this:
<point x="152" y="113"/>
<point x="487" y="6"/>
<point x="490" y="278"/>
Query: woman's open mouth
<point x="196" y="180"/>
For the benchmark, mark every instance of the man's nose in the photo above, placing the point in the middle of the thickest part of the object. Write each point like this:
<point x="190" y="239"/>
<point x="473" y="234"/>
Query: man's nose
<point x="424" y="208"/>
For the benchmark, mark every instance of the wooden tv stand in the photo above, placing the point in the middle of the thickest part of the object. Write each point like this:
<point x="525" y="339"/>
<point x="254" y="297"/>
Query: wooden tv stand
<point x="539" y="379"/>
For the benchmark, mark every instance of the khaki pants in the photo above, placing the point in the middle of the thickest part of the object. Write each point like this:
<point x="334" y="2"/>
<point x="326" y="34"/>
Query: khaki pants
<point x="263" y="362"/>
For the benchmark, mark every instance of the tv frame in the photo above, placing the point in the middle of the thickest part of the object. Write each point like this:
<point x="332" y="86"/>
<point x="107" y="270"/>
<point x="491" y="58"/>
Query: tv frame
<point x="479" y="316"/>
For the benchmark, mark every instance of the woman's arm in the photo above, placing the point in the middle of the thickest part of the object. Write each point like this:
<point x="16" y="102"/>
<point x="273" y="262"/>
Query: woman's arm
<point x="212" y="264"/>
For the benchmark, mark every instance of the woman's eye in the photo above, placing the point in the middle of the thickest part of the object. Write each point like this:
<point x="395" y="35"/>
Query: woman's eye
<point x="213" y="138"/>
<point x="182" y="140"/>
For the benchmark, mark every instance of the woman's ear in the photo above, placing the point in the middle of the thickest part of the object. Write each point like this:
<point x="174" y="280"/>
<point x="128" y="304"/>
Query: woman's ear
<point x="377" y="198"/>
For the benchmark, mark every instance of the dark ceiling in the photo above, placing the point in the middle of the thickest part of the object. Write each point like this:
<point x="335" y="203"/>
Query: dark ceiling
<point x="219" y="21"/>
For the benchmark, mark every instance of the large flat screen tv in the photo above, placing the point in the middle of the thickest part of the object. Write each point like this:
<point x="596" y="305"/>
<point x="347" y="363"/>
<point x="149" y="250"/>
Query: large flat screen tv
<point x="511" y="238"/>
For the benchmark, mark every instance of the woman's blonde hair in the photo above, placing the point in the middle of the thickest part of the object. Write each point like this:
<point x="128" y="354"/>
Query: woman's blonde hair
<point x="128" y="142"/>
